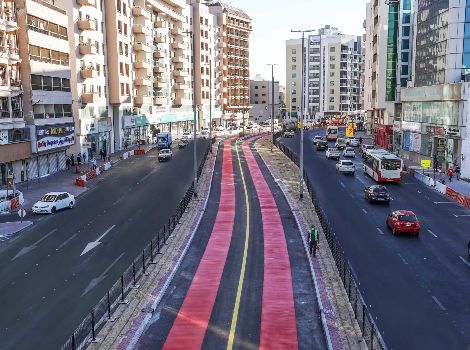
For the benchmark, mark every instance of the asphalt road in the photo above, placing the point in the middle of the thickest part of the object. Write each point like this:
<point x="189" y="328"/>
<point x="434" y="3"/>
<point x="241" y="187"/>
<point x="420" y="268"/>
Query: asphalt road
<point x="46" y="283"/>
<point x="247" y="332"/>
<point x="418" y="289"/>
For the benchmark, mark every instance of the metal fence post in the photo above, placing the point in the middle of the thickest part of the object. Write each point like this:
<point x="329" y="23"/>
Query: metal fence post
<point x="93" y="339"/>
<point x="134" y="285"/>
<point x="158" y="242"/>
<point x="123" y="301"/>
<point x="110" y="319"/>
<point x="363" y="319"/>
<point x="74" y="347"/>
<point x="143" y="263"/>
<point x="371" y="336"/>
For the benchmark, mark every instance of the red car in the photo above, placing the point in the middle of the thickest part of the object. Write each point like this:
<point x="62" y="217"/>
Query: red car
<point x="403" y="221"/>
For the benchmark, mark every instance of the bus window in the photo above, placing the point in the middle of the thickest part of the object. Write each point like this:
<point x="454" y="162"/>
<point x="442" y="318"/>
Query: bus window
<point x="391" y="164"/>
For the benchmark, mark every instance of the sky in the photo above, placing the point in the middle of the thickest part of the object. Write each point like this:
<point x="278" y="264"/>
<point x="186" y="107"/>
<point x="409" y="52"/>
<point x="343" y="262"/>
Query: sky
<point x="274" y="19"/>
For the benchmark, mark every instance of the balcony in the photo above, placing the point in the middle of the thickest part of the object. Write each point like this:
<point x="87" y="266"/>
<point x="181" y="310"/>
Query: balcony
<point x="180" y="73"/>
<point x="222" y="78"/>
<point x="87" y="49"/>
<point x="159" y="54"/>
<point x="159" y="100"/>
<point x="222" y="101"/>
<point x="159" y="84"/>
<point x="176" y="31"/>
<point x="142" y="82"/>
<point x="139" y="11"/>
<point x="87" y="24"/>
<point x="142" y="65"/>
<point x="138" y="46"/>
<point x="139" y="29"/>
<point x="140" y="100"/>
<point x="178" y="60"/>
<point x="222" y="45"/>
<point x="90" y="97"/>
<point x="178" y="46"/>
<point x="159" y="69"/>
<point x="86" y="2"/>
<point x="88" y="73"/>
<point x="222" y="67"/>
<point x="159" y="24"/>
<point x="178" y="101"/>
<point x="159" y="39"/>
<point x="179" y="86"/>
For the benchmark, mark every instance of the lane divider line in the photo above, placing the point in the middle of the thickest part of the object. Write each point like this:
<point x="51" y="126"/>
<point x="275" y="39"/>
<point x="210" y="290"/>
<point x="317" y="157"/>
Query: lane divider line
<point x="432" y="233"/>
<point x="233" y="325"/>
<point x="438" y="303"/>
<point x="403" y="259"/>
<point x="465" y="261"/>
<point x="191" y="322"/>
<point x="380" y="231"/>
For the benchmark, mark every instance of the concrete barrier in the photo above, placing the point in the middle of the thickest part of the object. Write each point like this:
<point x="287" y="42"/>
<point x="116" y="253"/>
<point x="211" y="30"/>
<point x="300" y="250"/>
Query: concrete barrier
<point x="82" y="180"/>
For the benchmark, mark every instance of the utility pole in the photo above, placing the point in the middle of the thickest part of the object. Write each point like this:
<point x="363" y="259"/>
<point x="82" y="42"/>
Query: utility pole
<point x="210" y="105"/>
<point x="272" y="102"/>
<point x="302" y="101"/>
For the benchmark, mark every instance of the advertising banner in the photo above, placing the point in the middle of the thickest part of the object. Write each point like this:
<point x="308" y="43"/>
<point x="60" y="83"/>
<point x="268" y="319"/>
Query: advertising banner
<point x="54" y="136"/>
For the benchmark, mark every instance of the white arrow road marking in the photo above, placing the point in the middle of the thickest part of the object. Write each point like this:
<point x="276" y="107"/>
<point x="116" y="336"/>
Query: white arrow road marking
<point x="380" y="231"/>
<point x="26" y="250"/>
<point x="365" y="211"/>
<point x="342" y="184"/>
<point x="432" y="233"/>
<point x="94" y="282"/>
<point x="465" y="261"/>
<point x="439" y="303"/>
<point x="94" y="244"/>
<point x="403" y="259"/>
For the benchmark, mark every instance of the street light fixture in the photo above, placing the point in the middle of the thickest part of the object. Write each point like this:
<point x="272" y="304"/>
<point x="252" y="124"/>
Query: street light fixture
<point x="210" y="102"/>
<point x="272" y="101"/>
<point x="302" y="101"/>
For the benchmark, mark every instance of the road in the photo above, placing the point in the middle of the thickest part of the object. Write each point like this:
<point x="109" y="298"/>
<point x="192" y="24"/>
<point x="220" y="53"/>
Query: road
<point x="417" y="288"/>
<point x="245" y="282"/>
<point x="46" y="282"/>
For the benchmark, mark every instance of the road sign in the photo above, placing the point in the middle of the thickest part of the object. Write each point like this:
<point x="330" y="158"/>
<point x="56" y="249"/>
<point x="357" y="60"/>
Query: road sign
<point x="349" y="132"/>
<point x="21" y="214"/>
<point x="426" y="163"/>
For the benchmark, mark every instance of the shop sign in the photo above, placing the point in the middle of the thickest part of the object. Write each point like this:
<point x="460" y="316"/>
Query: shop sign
<point x="442" y="92"/>
<point x="425" y="163"/>
<point x="3" y="137"/>
<point x="415" y="142"/>
<point x="452" y="132"/>
<point x="434" y="130"/>
<point x="411" y="126"/>
<point x="50" y="137"/>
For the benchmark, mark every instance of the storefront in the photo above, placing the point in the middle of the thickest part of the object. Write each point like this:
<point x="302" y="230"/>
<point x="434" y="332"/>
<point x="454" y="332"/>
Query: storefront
<point x="135" y="129"/>
<point x="384" y="136"/>
<point x="96" y="137"/>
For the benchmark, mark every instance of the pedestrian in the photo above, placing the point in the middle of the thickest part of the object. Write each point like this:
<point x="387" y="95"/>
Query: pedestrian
<point x="126" y="144"/>
<point x="101" y="153"/>
<point x="311" y="233"/>
<point x="457" y="172"/>
<point x="84" y="158"/>
<point x="67" y="163"/>
<point x="450" y="173"/>
<point x="360" y="140"/>
<point x="105" y="153"/>
<point x="93" y="162"/>
<point x="441" y="178"/>
<point x="316" y="242"/>
<point x="79" y="159"/>
<point x="436" y="165"/>
<point x="72" y="160"/>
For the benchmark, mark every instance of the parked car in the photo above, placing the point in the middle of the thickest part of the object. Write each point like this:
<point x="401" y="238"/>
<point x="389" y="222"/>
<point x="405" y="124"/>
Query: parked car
<point x="53" y="201"/>
<point x="377" y="193"/>
<point x="332" y="153"/>
<point x="165" y="155"/>
<point x="346" y="167"/>
<point x="352" y="141"/>
<point x="289" y="134"/>
<point x="403" y="221"/>
<point x="340" y="143"/>
<point x="183" y="143"/>
<point x="322" y="145"/>
<point x="349" y="152"/>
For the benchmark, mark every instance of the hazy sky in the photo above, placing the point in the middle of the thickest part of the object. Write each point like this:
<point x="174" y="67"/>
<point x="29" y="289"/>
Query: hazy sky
<point x="273" y="20"/>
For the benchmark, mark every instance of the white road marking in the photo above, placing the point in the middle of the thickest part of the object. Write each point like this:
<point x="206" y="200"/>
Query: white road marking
<point x="419" y="191"/>
<point x="445" y="203"/>
<point x="380" y="231"/>
<point x="432" y="233"/>
<point x="365" y="211"/>
<point x="67" y="241"/>
<point x="342" y="184"/>
<point x="438" y="303"/>
<point x="119" y="200"/>
<point x="26" y="250"/>
<point x="403" y="259"/>
<point x="96" y="243"/>
<point x="465" y="261"/>
<point x="101" y="277"/>
<point x="458" y="216"/>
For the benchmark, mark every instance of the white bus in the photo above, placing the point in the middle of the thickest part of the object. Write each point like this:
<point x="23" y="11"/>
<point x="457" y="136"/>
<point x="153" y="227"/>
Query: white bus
<point x="332" y="133"/>
<point x="383" y="166"/>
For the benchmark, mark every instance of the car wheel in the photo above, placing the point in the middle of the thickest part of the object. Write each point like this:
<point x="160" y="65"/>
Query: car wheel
<point x="53" y="210"/>
<point x="70" y="205"/>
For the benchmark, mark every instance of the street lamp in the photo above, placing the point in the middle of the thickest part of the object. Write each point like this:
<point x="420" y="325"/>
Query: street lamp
<point x="302" y="101"/>
<point x="272" y="101"/>
<point x="210" y="103"/>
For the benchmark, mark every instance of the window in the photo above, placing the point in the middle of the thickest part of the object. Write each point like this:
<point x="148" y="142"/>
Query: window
<point x="405" y="57"/>
<point x="332" y="49"/>
<point x="294" y="59"/>
<point x="406" y="31"/>
<point x="405" y="44"/>
<point x="294" y="67"/>
<point x="294" y="51"/>
<point x="332" y="66"/>
<point x="294" y="75"/>
<point x="331" y="108"/>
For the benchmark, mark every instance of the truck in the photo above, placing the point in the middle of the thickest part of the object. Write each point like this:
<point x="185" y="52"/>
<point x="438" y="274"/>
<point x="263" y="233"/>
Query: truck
<point x="164" y="140"/>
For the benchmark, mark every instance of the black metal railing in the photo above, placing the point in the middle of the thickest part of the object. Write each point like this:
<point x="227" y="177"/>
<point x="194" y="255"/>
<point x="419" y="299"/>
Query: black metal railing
<point x="103" y="311"/>
<point x="369" y="329"/>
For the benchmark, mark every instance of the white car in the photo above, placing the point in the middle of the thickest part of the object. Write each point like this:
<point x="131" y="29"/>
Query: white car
<point x="349" y="152"/>
<point x="352" y="141"/>
<point x="164" y="155"/>
<point x="220" y="128"/>
<point x="346" y="167"/>
<point x="316" y="139"/>
<point x="332" y="153"/>
<point x="289" y="134"/>
<point x="53" y="201"/>
<point x="205" y="133"/>
<point x="188" y="135"/>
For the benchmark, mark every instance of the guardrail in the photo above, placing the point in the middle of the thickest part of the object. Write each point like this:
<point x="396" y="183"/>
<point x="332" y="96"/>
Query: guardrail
<point x="369" y="329"/>
<point x="103" y="311"/>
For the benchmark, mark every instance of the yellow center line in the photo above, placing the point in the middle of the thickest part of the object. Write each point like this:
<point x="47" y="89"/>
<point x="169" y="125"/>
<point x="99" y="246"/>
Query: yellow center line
<point x="245" y="253"/>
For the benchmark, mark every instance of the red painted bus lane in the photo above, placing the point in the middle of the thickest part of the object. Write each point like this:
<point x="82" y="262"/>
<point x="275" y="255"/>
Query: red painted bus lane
<point x="191" y="323"/>
<point x="278" y="321"/>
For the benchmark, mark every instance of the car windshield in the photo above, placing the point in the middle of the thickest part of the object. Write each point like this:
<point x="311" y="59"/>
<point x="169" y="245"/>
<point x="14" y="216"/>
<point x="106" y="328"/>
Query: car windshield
<point x="350" y="149"/>
<point x="348" y="163"/>
<point x="332" y="131"/>
<point x="407" y="218"/>
<point x="391" y="164"/>
<point x="380" y="190"/>
<point x="161" y="139"/>
<point x="333" y="150"/>
<point x="49" y="198"/>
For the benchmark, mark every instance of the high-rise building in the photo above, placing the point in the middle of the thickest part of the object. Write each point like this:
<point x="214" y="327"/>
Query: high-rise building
<point x="294" y="75"/>
<point x="47" y="102"/>
<point x="261" y="99"/>
<point x="15" y="144"/>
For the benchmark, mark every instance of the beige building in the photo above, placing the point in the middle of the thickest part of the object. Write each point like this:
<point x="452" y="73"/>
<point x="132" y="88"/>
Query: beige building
<point x="261" y="99"/>
<point x="15" y="144"/>
<point x="294" y="76"/>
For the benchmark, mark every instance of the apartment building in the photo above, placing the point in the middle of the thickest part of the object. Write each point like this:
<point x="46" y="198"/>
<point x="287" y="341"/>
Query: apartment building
<point x="15" y="144"/>
<point x="294" y="75"/>
<point x="47" y="97"/>
<point x="233" y="69"/>
<point x="261" y="99"/>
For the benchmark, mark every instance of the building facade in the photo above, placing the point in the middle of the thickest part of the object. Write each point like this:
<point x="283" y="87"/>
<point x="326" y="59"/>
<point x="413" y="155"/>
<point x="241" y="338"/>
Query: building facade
<point x="261" y="97"/>
<point x="294" y="75"/>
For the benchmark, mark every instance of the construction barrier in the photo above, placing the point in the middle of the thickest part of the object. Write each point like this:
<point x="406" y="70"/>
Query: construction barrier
<point x="138" y="152"/>
<point x="458" y="197"/>
<point x="81" y="180"/>
<point x="8" y="203"/>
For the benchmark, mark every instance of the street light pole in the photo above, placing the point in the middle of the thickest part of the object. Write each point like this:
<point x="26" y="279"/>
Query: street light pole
<point x="210" y="105"/>
<point x="302" y="101"/>
<point x="272" y="102"/>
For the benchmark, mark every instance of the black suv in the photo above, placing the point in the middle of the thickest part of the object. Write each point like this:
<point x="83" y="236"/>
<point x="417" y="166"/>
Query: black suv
<point x="377" y="193"/>
<point x="322" y="145"/>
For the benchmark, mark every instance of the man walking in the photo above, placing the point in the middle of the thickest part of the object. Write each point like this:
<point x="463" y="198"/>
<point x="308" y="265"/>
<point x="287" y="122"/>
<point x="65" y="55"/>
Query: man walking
<point x="311" y="234"/>
<point x="316" y="241"/>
